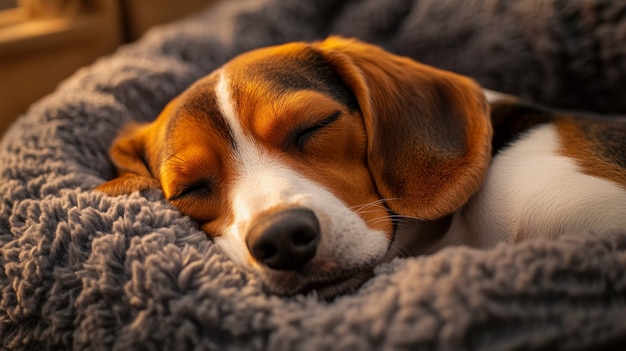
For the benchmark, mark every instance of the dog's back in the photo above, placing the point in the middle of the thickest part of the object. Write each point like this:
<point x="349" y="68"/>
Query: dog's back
<point x="552" y="172"/>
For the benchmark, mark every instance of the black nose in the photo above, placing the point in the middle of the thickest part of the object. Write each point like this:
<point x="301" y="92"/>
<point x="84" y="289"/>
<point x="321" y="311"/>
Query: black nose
<point x="285" y="240"/>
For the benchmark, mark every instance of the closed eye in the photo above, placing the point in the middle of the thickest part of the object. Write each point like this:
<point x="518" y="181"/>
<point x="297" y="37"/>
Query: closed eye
<point x="306" y="133"/>
<point x="201" y="188"/>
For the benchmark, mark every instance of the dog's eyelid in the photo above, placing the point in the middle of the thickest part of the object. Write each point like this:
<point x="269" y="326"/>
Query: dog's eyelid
<point x="303" y="134"/>
<point x="202" y="187"/>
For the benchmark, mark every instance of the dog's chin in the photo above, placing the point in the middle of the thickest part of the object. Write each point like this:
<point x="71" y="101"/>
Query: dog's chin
<point x="342" y="285"/>
<point x="324" y="287"/>
<point x="327" y="285"/>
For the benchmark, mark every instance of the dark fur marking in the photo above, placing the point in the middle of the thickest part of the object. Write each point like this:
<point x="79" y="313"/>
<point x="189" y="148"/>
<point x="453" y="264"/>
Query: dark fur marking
<point x="307" y="71"/>
<point x="512" y="119"/>
<point x="608" y="136"/>
<point x="201" y="104"/>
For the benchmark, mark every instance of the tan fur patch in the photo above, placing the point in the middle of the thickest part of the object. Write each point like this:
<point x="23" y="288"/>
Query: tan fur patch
<point x="575" y="144"/>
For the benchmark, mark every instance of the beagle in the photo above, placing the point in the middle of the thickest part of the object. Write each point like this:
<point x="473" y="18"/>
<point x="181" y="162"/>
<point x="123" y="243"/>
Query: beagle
<point x="311" y="163"/>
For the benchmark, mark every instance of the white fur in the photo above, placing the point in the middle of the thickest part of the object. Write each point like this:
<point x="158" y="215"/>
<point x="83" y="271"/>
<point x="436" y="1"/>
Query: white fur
<point x="264" y="182"/>
<point x="495" y="96"/>
<point x="533" y="191"/>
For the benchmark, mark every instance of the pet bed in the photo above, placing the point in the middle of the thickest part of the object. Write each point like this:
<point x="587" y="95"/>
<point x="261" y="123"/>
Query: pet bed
<point x="80" y="270"/>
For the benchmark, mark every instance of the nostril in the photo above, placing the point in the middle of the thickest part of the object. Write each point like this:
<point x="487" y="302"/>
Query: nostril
<point x="303" y="237"/>
<point x="264" y="250"/>
<point x="285" y="240"/>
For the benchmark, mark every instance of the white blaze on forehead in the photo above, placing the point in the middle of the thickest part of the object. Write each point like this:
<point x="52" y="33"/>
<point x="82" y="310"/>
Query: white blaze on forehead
<point x="264" y="182"/>
<point x="254" y="166"/>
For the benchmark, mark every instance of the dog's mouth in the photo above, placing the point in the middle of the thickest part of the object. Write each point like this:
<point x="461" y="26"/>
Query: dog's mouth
<point x="337" y="286"/>
<point x="326" y="287"/>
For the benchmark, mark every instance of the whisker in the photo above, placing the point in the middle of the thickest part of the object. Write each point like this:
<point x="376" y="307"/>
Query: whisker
<point x="394" y="218"/>
<point x="410" y="217"/>
<point x="367" y="205"/>
<point x="373" y="206"/>
<point x="368" y="211"/>
<point x="385" y="218"/>
<point x="399" y="250"/>
<point x="374" y="203"/>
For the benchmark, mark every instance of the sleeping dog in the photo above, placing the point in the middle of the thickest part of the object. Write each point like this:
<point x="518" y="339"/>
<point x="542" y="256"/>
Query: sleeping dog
<point x="311" y="163"/>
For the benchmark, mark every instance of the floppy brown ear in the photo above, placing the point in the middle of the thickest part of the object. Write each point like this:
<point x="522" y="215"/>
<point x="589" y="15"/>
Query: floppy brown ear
<point x="429" y="134"/>
<point x="129" y="154"/>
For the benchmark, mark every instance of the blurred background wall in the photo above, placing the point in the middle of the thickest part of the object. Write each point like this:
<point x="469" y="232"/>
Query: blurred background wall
<point x="43" y="42"/>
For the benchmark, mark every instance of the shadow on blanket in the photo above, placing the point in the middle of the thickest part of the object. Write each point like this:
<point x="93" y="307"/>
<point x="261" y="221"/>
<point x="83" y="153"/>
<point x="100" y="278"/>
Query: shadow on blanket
<point x="84" y="271"/>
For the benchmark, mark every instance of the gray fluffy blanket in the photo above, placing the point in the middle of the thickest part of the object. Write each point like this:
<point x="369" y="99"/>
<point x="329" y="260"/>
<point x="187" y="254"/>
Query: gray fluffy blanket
<point x="80" y="270"/>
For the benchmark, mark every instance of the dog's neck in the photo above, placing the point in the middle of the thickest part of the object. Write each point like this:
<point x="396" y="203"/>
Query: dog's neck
<point x="417" y="237"/>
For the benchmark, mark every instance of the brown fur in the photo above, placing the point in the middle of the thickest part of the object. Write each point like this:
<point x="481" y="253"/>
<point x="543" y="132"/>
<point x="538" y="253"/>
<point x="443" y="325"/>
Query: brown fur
<point x="584" y="141"/>
<point x="428" y="130"/>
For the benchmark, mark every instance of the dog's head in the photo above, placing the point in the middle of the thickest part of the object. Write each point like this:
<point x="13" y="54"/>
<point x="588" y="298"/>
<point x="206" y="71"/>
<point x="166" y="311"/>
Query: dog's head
<point x="297" y="158"/>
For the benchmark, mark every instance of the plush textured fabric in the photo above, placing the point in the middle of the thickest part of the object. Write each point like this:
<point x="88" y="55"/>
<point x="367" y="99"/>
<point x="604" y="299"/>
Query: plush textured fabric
<point x="80" y="270"/>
